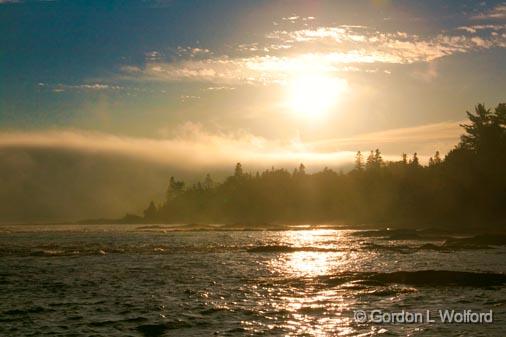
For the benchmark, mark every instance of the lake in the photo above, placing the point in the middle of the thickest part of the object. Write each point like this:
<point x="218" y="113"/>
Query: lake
<point x="136" y="280"/>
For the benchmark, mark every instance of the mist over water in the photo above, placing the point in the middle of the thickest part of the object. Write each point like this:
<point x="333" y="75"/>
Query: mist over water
<point x="136" y="280"/>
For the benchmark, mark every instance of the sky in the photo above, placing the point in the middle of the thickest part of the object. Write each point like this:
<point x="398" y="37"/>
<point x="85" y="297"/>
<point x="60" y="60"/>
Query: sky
<point x="316" y="77"/>
<point x="203" y="84"/>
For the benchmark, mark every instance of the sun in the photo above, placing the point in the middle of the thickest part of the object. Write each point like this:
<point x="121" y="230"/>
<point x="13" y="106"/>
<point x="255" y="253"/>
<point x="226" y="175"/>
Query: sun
<point x="313" y="95"/>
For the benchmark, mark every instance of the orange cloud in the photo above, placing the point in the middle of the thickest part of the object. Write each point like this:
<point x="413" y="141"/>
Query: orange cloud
<point x="194" y="147"/>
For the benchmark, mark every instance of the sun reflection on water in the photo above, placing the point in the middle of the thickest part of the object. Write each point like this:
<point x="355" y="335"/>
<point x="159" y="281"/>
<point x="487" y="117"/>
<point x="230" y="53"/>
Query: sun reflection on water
<point x="312" y="307"/>
<point x="310" y="237"/>
<point x="306" y="262"/>
<point x="309" y="263"/>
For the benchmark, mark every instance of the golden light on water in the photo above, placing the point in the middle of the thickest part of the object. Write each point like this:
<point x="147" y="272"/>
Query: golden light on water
<point x="313" y="95"/>
<point x="309" y="263"/>
<point x="313" y="311"/>
<point x="306" y="262"/>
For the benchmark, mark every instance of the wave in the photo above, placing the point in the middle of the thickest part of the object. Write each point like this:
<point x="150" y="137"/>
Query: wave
<point x="164" y="248"/>
<point x="478" y="241"/>
<point x="87" y="250"/>
<point x="25" y="311"/>
<point x="287" y="249"/>
<point x="469" y="243"/>
<point x="417" y="278"/>
<point x="397" y="249"/>
<point x="440" y="278"/>
<point x="390" y="234"/>
<point x="432" y="278"/>
<point x="153" y="330"/>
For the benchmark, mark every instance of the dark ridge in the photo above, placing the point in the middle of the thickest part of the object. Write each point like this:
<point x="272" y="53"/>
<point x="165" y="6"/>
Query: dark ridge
<point x="155" y="330"/>
<point x="478" y="241"/>
<point x="239" y="330"/>
<point x="421" y="278"/>
<point x="287" y="249"/>
<point x="33" y="310"/>
<point x="102" y="323"/>
<point x="436" y="278"/>
<point x="152" y="330"/>
<point x="450" y="248"/>
<point x="210" y="311"/>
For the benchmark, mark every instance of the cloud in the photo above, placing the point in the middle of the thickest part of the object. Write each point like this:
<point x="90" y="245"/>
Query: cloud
<point x="296" y="18"/>
<point x="216" y="70"/>
<point x="498" y="12"/>
<point x="187" y="98"/>
<point x="428" y="73"/>
<point x="131" y="69"/>
<point x="257" y="70"/>
<point x="97" y="87"/>
<point x="192" y="51"/>
<point x="365" y="45"/>
<point x="327" y="50"/>
<point x="153" y="56"/>
<point x="219" y="88"/>
<point x="424" y="139"/>
<point x="476" y="28"/>
<point x="87" y="86"/>
<point x="194" y="147"/>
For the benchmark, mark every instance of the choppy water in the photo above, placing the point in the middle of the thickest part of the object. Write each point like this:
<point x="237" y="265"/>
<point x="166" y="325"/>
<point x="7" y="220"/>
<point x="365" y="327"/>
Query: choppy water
<point x="105" y="280"/>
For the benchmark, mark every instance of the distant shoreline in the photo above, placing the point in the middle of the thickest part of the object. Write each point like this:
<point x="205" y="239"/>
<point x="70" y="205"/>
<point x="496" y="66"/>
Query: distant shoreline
<point x="408" y="230"/>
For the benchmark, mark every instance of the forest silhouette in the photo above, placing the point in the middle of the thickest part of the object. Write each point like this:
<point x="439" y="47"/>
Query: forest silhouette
<point x="465" y="188"/>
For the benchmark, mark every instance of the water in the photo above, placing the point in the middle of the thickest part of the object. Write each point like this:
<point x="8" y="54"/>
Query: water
<point x="130" y="280"/>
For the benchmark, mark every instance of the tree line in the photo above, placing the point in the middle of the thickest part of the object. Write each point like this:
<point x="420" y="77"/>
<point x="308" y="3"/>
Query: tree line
<point x="465" y="188"/>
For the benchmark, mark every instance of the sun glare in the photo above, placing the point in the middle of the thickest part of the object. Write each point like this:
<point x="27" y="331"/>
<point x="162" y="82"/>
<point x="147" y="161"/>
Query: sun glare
<point x="312" y="96"/>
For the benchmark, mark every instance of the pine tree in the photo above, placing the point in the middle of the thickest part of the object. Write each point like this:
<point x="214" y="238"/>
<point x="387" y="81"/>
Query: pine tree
<point x="175" y="188"/>
<point x="302" y="169"/>
<point x="378" y="160"/>
<point x="151" y="211"/>
<point x="369" y="164"/>
<point x="208" y="182"/>
<point x="238" y="170"/>
<point x="404" y="158"/>
<point x="437" y="158"/>
<point x="483" y="130"/>
<point x="415" y="162"/>
<point x="359" y="161"/>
